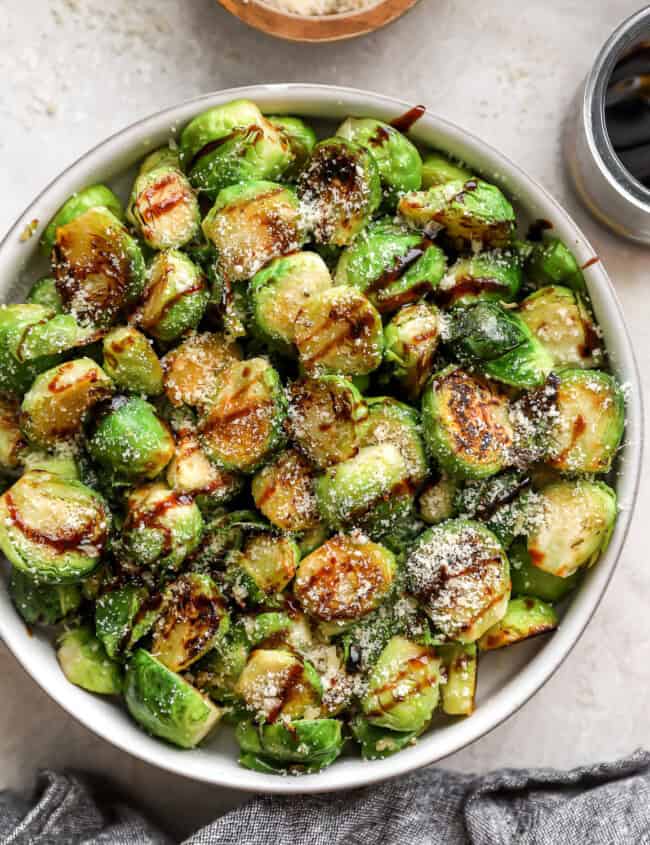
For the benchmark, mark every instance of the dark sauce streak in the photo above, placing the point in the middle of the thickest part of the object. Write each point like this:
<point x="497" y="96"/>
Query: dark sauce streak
<point x="591" y="262"/>
<point x="294" y="677"/>
<point x="487" y="510"/>
<point x="400" y="265"/>
<point x="74" y="542"/>
<point x="405" y="121"/>
<point x="467" y="286"/>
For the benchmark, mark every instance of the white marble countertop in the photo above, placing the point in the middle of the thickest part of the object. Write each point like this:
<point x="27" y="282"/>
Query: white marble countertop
<point x="74" y="71"/>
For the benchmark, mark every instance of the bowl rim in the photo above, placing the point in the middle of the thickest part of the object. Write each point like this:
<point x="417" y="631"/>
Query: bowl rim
<point x="538" y="670"/>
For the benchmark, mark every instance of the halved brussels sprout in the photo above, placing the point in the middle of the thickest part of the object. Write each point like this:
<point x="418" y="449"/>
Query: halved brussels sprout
<point x="390" y="421"/>
<point x="472" y="212"/>
<point x="218" y="671"/>
<point x="560" y="320"/>
<point x="262" y="568"/>
<point x="54" y="408"/>
<point x="44" y="292"/>
<point x="49" y="334"/>
<point x="175" y="296"/>
<point x="12" y="443"/>
<point x="190" y="472"/>
<point x="459" y="691"/>
<point x="339" y="189"/>
<point x="411" y="339"/>
<point x="98" y="266"/>
<point x="494" y="276"/>
<point x="61" y="463"/>
<point x="284" y="492"/>
<point x="325" y="416"/>
<point x="42" y="604"/>
<point x="232" y="144"/>
<point x="437" y="502"/>
<point x="93" y="196"/>
<point x="17" y="373"/>
<point x="339" y="331"/>
<point x="123" y="616"/>
<point x="244" y="424"/>
<point x="391" y="265"/>
<point x="193" y="369"/>
<point x="129" y="440"/>
<point x="344" y="579"/>
<point x="223" y="533"/>
<point x="279" y="292"/>
<point x="85" y="663"/>
<point x="466" y="425"/>
<point x="525" y="617"/>
<point x="252" y="223"/>
<point x="163" y="206"/>
<point x="459" y="572"/>
<point x="575" y="523"/>
<point x="404" y="686"/>
<point x="165" y="704"/>
<point x="504" y="502"/>
<point x="588" y="423"/>
<point x="277" y="683"/>
<point x="301" y="139"/>
<point x="438" y="169"/>
<point x="529" y="580"/>
<point x="551" y="262"/>
<point x="398" y="161"/>
<point x="301" y="747"/>
<point x="376" y="742"/>
<point x="52" y="528"/>
<point x="162" y="527"/>
<point x="131" y="362"/>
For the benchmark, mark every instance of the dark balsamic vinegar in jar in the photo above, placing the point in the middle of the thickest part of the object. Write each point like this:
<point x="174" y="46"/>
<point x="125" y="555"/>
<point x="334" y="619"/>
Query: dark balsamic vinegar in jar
<point x="627" y="111"/>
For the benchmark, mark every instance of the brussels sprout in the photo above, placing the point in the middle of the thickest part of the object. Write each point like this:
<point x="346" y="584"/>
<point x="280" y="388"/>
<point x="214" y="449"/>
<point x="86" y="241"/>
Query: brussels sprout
<point x="344" y="579"/>
<point x="276" y="683"/>
<point x="51" y="528"/>
<point x="129" y="440"/>
<point x="437" y="502"/>
<point x="466" y="425"/>
<point x="459" y="572"/>
<point x="459" y="691"/>
<point x="94" y="196"/>
<point x="280" y="291"/>
<point x="12" y="444"/>
<point x="44" y="292"/>
<point x="98" y="266"/>
<point x="163" y="206"/>
<point x="17" y="373"/>
<point x="398" y="161"/>
<point x="339" y="331"/>
<point x="576" y="521"/>
<point x="252" y="223"/>
<point x="552" y="263"/>
<point x="587" y="426"/>
<point x="232" y="144"/>
<point x="165" y="704"/>
<point x="504" y="502"/>
<point x="560" y="320"/>
<point x="85" y="663"/>
<point x="192" y="371"/>
<point x="302" y="747"/>
<point x="243" y="426"/>
<point x="438" y="169"/>
<point x="411" y="339"/>
<point x="44" y="604"/>
<point x="494" y="276"/>
<point x="263" y="568"/>
<point x="404" y="686"/>
<point x="470" y="212"/>
<point x="123" y="616"/>
<point x="529" y="580"/>
<point x="284" y="492"/>
<point x="131" y="362"/>
<point x="62" y="464"/>
<point x="525" y="617"/>
<point x="225" y="532"/>
<point x="325" y="417"/>
<point x="54" y="408"/>
<point x="162" y="527"/>
<point x="377" y="743"/>
<point x="190" y="472"/>
<point x="391" y="265"/>
<point x="174" y="298"/>
<point x="390" y="421"/>
<point x="310" y="540"/>
<point x="301" y="139"/>
<point x="340" y="189"/>
<point x="218" y="671"/>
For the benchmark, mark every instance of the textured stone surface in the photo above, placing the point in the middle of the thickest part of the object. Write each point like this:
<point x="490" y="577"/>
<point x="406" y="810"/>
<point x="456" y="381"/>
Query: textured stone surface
<point x="74" y="71"/>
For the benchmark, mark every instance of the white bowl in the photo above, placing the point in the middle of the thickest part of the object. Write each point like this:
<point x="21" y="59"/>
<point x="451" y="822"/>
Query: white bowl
<point x="507" y="678"/>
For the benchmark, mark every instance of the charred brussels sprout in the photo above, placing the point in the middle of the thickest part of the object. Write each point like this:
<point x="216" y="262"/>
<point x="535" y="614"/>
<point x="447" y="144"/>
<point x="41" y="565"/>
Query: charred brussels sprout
<point x="192" y="370"/>
<point x="44" y="604"/>
<point x="174" y="298"/>
<point x="17" y="372"/>
<point x="243" y="426"/>
<point x="525" y="617"/>
<point x="12" y="443"/>
<point x="412" y="338"/>
<point x="131" y="362"/>
<point x="284" y="492"/>
<point x="163" y="206"/>
<point x="277" y="683"/>
<point x="340" y="190"/>
<point x="376" y="742"/>
<point x="123" y="616"/>
<point x="301" y="747"/>
<point x="529" y="580"/>
<point x="459" y="572"/>
<point x="262" y="568"/>
<point x="552" y="263"/>
<point x="191" y="473"/>
<point x="459" y="690"/>
<point x="391" y="265"/>
<point x="505" y="503"/>
<point x="232" y="144"/>
<point x="494" y="275"/>
<point x="95" y="196"/>
<point x="438" y="169"/>
<point x="466" y="425"/>
<point x="85" y="663"/>
<point x="390" y="421"/>
<point x="437" y="502"/>
<point x="165" y="704"/>
<point x="51" y="528"/>
<point x="339" y="331"/>
<point x="251" y="224"/>
<point x="225" y="532"/>
<point x="472" y="212"/>
<point x="129" y="440"/>
<point x="301" y="139"/>
<point x="44" y="292"/>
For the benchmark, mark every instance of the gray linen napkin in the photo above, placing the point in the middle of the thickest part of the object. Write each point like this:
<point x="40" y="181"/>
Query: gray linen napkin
<point x="607" y="804"/>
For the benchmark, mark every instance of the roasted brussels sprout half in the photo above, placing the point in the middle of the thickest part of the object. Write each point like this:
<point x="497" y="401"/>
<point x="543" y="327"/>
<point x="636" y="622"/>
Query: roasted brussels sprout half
<point x="191" y="473"/>
<point x="340" y="190"/>
<point x="85" y="663"/>
<point x="466" y="425"/>
<point x="411" y="339"/>
<point x="301" y="139"/>
<point x="525" y="617"/>
<point x="504" y="502"/>
<point x="284" y="492"/>
<point x="61" y="463"/>
<point x="473" y="212"/>
<point x="376" y="742"/>
<point x="390" y="421"/>
<point x="218" y="671"/>
<point x="251" y="224"/>
<point x="529" y="580"/>
<point x="262" y="568"/>
<point x="276" y="683"/>
<point x="165" y="704"/>
<point x="44" y="604"/>
<point x="301" y="747"/>
<point x="51" y="528"/>
<point x="223" y="533"/>
<point x="438" y="169"/>
<point x="192" y="370"/>
<point x="551" y="262"/>
<point x="459" y="690"/>
<point x="18" y="372"/>
<point x="163" y="206"/>
<point x="459" y="572"/>
<point x="232" y="144"/>
<point x="94" y="196"/>
<point x="44" y="292"/>
<point x="131" y="362"/>
<point x="123" y="616"/>
<point x="12" y="443"/>
<point x="494" y="276"/>
<point x="437" y="501"/>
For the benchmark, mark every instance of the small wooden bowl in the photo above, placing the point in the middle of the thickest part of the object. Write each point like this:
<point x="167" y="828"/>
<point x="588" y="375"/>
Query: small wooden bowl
<point x="316" y="28"/>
